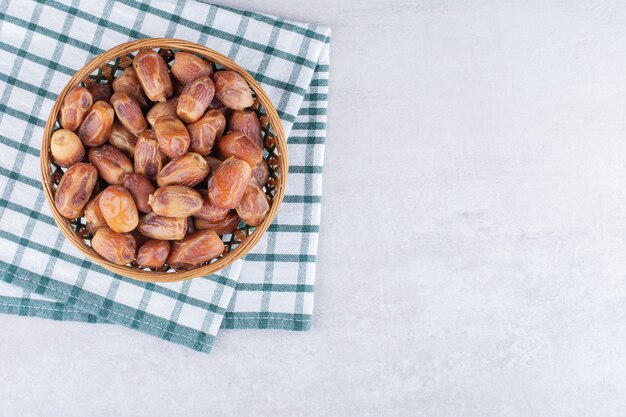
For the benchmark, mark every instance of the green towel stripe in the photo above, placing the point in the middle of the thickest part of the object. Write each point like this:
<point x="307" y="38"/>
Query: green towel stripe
<point x="73" y="301"/>
<point x="89" y="302"/>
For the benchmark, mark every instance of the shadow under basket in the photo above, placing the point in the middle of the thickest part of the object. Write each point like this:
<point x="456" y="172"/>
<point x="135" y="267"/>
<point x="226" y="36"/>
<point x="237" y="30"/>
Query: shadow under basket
<point x="109" y="65"/>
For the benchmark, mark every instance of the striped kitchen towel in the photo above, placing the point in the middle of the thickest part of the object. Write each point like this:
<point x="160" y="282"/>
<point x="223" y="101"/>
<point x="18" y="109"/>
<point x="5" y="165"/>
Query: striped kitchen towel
<point x="42" y="43"/>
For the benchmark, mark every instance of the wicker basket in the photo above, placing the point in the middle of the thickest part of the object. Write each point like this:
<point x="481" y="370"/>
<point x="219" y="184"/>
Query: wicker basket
<point x="102" y="69"/>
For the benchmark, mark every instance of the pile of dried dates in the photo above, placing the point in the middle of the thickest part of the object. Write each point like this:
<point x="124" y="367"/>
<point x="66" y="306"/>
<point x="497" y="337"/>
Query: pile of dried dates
<point x="175" y="182"/>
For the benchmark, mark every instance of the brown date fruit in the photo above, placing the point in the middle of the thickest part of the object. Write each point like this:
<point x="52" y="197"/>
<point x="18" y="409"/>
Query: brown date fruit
<point x="129" y="113"/>
<point x="209" y="212"/>
<point x="100" y="92"/>
<point x="238" y="145"/>
<point x="153" y="253"/>
<point x="161" y="227"/>
<point x="122" y="139"/>
<point x="232" y="90"/>
<point x="190" y="169"/>
<point x="167" y="108"/>
<point x="248" y="123"/>
<point x="93" y="215"/>
<point x="153" y="75"/>
<point x="254" y="205"/>
<point x="96" y="127"/>
<point x="119" y="209"/>
<point x="228" y="183"/>
<point x="140" y="188"/>
<point x="226" y="112"/>
<point x="205" y="131"/>
<point x="216" y="104"/>
<point x="175" y="201"/>
<point x="224" y="227"/>
<point x="187" y="67"/>
<point x="111" y="163"/>
<point x="129" y="83"/>
<point x="148" y="157"/>
<point x="139" y="238"/>
<point x="118" y="248"/>
<point x="66" y="148"/>
<point x="75" y="189"/>
<point x="261" y="173"/>
<point x="195" y="249"/>
<point x="195" y="99"/>
<point x="172" y="136"/>
<point x="213" y="163"/>
<point x="75" y="108"/>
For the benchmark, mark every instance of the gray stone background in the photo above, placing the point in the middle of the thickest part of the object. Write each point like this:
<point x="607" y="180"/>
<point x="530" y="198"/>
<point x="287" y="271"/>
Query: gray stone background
<point x="473" y="250"/>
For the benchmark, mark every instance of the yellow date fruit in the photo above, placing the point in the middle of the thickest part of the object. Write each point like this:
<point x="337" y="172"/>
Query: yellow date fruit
<point x="248" y="123"/>
<point x="140" y="188"/>
<point x="96" y="127"/>
<point x="210" y="212"/>
<point x="75" y="189"/>
<point x="228" y="183"/>
<point x="93" y="215"/>
<point x="190" y="169"/>
<point x="167" y="108"/>
<point x="205" y="131"/>
<point x="254" y="205"/>
<point x="261" y="173"/>
<point x="153" y="75"/>
<point x="232" y="90"/>
<point x="66" y="148"/>
<point x="175" y="201"/>
<point x="238" y="145"/>
<point x="187" y="67"/>
<point x="195" y="249"/>
<point x="148" y="157"/>
<point x="153" y="253"/>
<point x="129" y="113"/>
<point x="172" y="136"/>
<point x="76" y="106"/>
<point x="111" y="163"/>
<point x="122" y="139"/>
<point x="100" y="91"/>
<point x="195" y="99"/>
<point x="118" y="248"/>
<point x="223" y="227"/>
<point x="119" y="209"/>
<point x="154" y="226"/>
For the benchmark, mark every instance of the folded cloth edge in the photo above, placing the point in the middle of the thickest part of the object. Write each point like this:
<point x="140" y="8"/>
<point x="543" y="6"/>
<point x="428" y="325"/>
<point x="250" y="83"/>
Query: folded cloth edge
<point x="76" y="308"/>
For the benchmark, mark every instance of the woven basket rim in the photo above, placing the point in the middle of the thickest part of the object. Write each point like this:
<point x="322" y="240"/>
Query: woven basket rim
<point x="274" y="121"/>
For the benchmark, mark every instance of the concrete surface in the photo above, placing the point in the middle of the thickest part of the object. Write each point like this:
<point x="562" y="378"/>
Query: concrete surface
<point x="473" y="248"/>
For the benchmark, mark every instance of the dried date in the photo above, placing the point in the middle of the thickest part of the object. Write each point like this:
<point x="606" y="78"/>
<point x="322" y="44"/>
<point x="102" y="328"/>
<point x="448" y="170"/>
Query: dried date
<point x="190" y="169"/>
<point x="228" y="183"/>
<point x="195" y="249"/>
<point x="119" y="209"/>
<point x="75" y="189"/>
